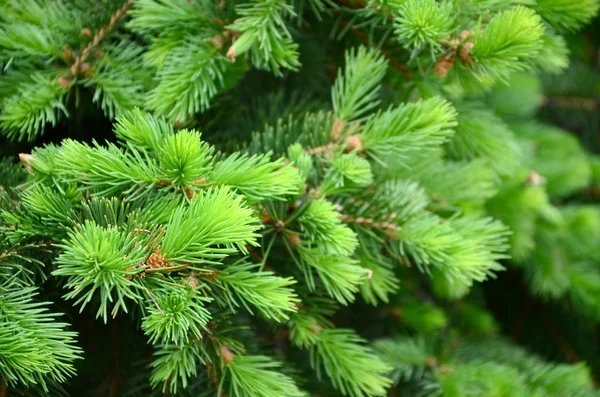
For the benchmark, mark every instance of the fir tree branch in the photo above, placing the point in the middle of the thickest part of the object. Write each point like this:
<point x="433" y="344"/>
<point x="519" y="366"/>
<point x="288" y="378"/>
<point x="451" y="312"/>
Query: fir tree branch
<point x="390" y="229"/>
<point x="99" y="35"/>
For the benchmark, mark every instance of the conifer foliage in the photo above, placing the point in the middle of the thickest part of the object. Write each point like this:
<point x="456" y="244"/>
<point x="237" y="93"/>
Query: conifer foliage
<point x="251" y="230"/>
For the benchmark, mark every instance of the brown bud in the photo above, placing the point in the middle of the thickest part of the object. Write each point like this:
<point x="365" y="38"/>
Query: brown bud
<point x="189" y="193"/>
<point x="535" y="179"/>
<point x="67" y="54"/>
<point x="217" y="41"/>
<point x="397" y="312"/>
<point x="444" y="64"/>
<point x="86" y="32"/>
<point x="85" y="68"/>
<point x="226" y="354"/>
<point x="26" y="160"/>
<point x="431" y="362"/>
<point x="193" y="281"/>
<point x="157" y="261"/>
<point x="315" y="328"/>
<point x="212" y="276"/>
<point x="337" y="128"/>
<point x="354" y="143"/>
<point x="465" y="53"/>
<point x="64" y="82"/>
<point x="231" y="54"/>
<point x="465" y="34"/>
<point x="294" y="239"/>
<point x="453" y="43"/>
<point x="279" y="225"/>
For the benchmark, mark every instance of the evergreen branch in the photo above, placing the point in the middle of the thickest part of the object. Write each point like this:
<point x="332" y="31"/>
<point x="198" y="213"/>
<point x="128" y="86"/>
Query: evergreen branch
<point x="101" y="259"/>
<point x="178" y="316"/>
<point x="567" y="15"/>
<point x="271" y="295"/>
<point x="24" y="321"/>
<point x="322" y="225"/>
<point x="99" y="35"/>
<point x="108" y="171"/>
<point x="259" y="376"/>
<point x="408" y="357"/>
<point x="117" y="79"/>
<point x="356" y="88"/>
<point x="183" y="158"/>
<point x="350" y="365"/>
<point x="32" y="29"/>
<point x="340" y="276"/>
<point x="142" y="129"/>
<point x="194" y="73"/>
<point x="39" y="102"/>
<point x="171" y="17"/>
<point x="381" y="283"/>
<point x="510" y="39"/>
<point x="459" y="248"/>
<point x="265" y="35"/>
<point x="423" y="23"/>
<point x="256" y="177"/>
<point x="401" y="131"/>
<point x="347" y="173"/>
<point x="215" y="225"/>
<point x="175" y="365"/>
<point x="388" y="227"/>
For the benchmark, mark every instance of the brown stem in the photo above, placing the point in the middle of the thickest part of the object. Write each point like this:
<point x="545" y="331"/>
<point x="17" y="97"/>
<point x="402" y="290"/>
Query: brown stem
<point x="254" y="254"/>
<point x="212" y="373"/>
<point x="387" y="226"/>
<point x="589" y="104"/>
<point x="330" y="147"/>
<point x="4" y="390"/>
<point x="154" y="301"/>
<point x="99" y="35"/>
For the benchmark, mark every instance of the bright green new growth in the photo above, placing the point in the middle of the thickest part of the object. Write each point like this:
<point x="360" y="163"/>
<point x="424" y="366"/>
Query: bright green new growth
<point x="400" y="132"/>
<point x="265" y="35"/>
<point x="336" y="355"/>
<point x="356" y="89"/>
<point x="214" y="225"/>
<point x="104" y="260"/>
<point x="36" y="349"/>
<point x="424" y="23"/>
<point x="271" y="295"/>
<point x="511" y="38"/>
<point x="567" y="15"/>
<point x="179" y="315"/>
<point x="256" y="177"/>
<point x="255" y="376"/>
